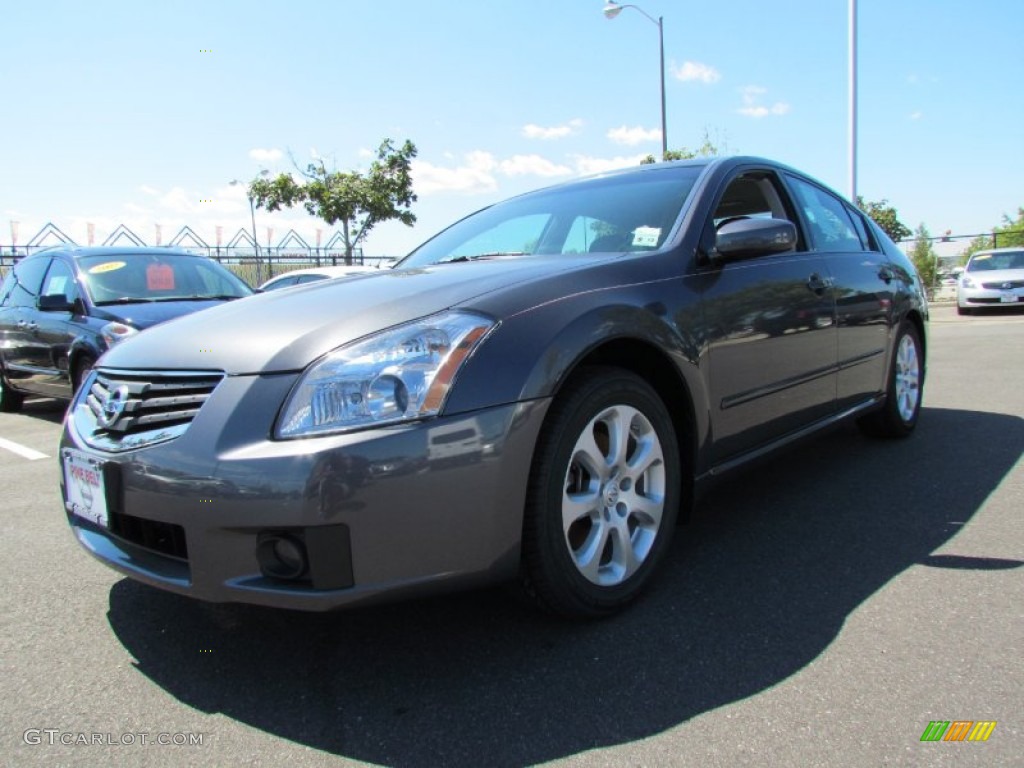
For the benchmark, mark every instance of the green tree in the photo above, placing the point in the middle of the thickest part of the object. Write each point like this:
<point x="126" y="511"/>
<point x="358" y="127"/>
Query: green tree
<point x="979" y="243"/>
<point x="1009" y="234"/>
<point x="924" y="256"/>
<point x="706" y="149"/>
<point x="358" y="201"/>
<point x="885" y="216"/>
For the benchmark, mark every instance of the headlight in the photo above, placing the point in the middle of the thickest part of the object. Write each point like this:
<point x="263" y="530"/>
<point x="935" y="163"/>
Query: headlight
<point x="115" y="332"/>
<point x="397" y="375"/>
<point x="966" y="282"/>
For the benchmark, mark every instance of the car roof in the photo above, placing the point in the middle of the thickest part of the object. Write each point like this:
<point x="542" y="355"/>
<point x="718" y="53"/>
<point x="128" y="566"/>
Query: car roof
<point x="80" y="251"/>
<point x="330" y="271"/>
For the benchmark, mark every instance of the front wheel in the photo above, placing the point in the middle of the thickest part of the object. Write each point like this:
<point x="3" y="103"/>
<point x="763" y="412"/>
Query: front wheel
<point x="903" y="397"/>
<point x="83" y="367"/>
<point x="603" y="495"/>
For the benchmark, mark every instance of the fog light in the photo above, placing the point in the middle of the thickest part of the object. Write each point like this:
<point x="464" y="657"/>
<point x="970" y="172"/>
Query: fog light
<point x="281" y="556"/>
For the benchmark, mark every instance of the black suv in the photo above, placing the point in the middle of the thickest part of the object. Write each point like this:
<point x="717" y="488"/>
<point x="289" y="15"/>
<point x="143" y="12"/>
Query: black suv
<point x="62" y="307"/>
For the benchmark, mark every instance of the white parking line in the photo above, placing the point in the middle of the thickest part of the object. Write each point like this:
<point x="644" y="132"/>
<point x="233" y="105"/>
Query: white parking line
<point x="21" y="450"/>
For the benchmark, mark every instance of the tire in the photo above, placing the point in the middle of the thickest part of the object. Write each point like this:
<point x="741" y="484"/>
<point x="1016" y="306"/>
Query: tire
<point x="599" y="513"/>
<point x="83" y="366"/>
<point x="10" y="401"/>
<point x="903" y="396"/>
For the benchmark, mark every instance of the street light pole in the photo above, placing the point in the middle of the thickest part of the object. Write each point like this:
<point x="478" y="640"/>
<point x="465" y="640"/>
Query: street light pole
<point x="852" y="30"/>
<point x="252" y="213"/>
<point x="613" y="9"/>
<point x="255" y="242"/>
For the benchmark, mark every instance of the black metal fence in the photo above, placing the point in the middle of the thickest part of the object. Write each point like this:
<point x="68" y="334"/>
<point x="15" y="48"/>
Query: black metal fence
<point x="242" y="255"/>
<point x="243" y="261"/>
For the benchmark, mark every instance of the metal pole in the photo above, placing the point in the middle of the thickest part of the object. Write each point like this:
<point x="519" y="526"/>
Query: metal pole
<point x="664" y="130"/>
<point x="255" y="242"/>
<point x="853" y="100"/>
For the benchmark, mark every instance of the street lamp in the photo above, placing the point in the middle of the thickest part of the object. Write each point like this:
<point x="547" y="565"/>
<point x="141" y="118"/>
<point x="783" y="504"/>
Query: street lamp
<point x="613" y="9"/>
<point x="852" y="33"/>
<point x="252" y="213"/>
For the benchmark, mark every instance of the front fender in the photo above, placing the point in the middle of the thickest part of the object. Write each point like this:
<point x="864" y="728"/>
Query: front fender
<point x="531" y="353"/>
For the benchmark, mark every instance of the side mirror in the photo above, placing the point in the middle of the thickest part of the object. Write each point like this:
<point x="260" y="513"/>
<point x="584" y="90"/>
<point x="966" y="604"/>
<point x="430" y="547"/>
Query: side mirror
<point x="744" y="238"/>
<point x="55" y="303"/>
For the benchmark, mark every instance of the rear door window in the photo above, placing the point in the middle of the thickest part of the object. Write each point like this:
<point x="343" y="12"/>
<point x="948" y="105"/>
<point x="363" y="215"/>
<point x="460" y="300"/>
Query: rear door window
<point x="831" y="227"/>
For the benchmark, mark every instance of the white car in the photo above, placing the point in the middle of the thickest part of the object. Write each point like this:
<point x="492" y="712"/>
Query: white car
<point x="310" y="275"/>
<point x="991" y="278"/>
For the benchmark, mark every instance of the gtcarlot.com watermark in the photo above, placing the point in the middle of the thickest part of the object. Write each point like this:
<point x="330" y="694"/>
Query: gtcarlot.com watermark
<point x="54" y="737"/>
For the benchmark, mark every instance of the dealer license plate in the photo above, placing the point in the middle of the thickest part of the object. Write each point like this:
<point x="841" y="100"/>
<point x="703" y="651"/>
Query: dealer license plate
<point x="83" y="484"/>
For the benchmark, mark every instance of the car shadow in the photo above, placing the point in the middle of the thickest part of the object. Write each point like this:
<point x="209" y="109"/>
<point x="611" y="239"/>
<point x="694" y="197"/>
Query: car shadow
<point x="757" y="587"/>
<point x="44" y="409"/>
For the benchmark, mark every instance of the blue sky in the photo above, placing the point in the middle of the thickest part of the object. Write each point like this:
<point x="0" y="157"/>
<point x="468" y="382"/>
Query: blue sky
<point x="140" y="113"/>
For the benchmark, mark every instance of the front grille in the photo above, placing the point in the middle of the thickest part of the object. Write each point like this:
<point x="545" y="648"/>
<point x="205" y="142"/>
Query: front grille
<point x="163" y="538"/>
<point x="1005" y="285"/>
<point x="126" y="409"/>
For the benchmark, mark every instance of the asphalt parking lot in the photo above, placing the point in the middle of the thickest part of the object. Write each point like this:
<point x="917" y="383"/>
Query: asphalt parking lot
<point x="821" y="610"/>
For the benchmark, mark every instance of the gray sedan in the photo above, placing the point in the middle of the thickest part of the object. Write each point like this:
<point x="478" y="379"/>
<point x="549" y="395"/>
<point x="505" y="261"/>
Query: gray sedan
<point x="536" y="395"/>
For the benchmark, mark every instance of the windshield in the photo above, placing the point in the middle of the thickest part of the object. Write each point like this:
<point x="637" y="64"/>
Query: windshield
<point x="132" y="277"/>
<point x="635" y="212"/>
<point x="988" y="262"/>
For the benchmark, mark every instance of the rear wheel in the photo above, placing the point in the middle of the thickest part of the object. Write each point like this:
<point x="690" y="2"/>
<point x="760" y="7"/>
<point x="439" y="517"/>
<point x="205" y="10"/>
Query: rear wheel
<point x="603" y="495"/>
<point x="10" y="401"/>
<point x="903" y="399"/>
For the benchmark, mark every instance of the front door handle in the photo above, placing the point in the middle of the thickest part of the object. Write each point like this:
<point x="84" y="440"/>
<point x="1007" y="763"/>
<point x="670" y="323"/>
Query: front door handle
<point x="819" y="284"/>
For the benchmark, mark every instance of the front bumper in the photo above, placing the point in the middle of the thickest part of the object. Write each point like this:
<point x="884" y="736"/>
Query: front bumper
<point x="382" y="513"/>
<point x="989" y="297"/>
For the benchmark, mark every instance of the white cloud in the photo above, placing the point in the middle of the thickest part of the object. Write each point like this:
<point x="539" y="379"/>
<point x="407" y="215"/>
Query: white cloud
<point x="779" y="108"/>
<point x="752" y="107"/>
<point x="474" y="176"/>
<point x="532" y="131"/>
<point x="587" y="166"/>
<point x="633" y="136"/>
<point x="533" y="165"/>
<point x="265" y="155"/>
<point x="149" y="190"/>
<point x="917" y="115"/>
<point x="695" y="71"/>
<point x="178" y="201"/>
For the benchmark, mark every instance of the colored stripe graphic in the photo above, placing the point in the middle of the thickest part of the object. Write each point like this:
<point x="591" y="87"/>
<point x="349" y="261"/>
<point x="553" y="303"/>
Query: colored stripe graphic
<point x="982" y="730"/>
<point x="959" y="730"/>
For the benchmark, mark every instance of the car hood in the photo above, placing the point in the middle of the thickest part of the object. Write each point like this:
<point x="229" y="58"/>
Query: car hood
<point x="995" y="275"/>
<point x="147" y="314"/>
<point x="287" y="330"/>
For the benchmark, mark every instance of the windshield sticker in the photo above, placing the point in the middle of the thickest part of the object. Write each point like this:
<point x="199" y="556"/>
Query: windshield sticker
<point x="646" y="237"/>
<point x="983" y="256"/>
<point x="108" y="266"/>
<point x="159" y="277"/>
